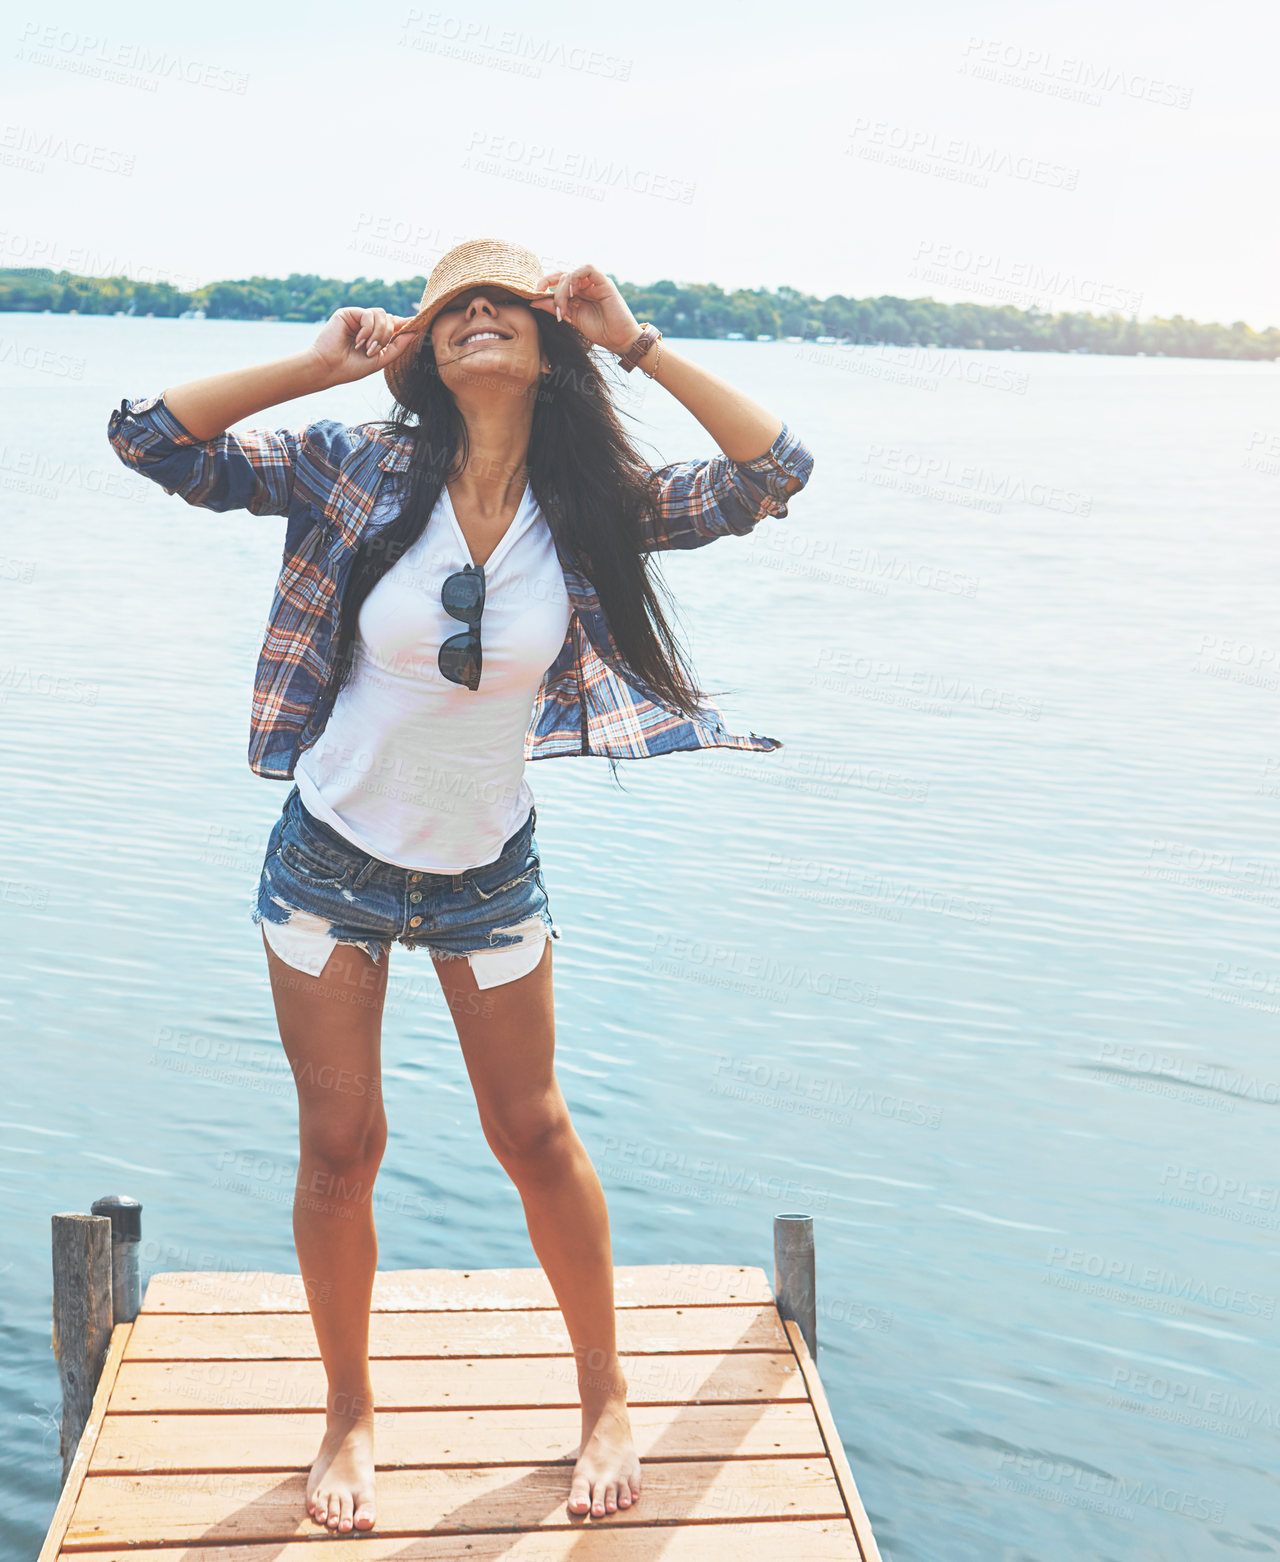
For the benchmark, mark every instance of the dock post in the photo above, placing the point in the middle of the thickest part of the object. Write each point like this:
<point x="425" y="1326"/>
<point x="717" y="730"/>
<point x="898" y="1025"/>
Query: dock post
<point x="81" y="1317"/>
<point x="125" y="1215"/>
<point x="95" y="1286"/>
<point x="793" y="1275"/>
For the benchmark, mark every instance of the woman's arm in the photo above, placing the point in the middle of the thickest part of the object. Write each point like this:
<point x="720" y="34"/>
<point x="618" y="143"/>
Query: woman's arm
<point x="742" y="428"/>
<point x="352" y="345"/>
<point x="180" y="440"/>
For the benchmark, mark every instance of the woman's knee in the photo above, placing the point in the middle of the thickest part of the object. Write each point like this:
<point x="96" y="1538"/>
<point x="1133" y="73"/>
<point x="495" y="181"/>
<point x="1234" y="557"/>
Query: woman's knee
<point x="344" y="1143"/>
<point x="531" y="1136"/>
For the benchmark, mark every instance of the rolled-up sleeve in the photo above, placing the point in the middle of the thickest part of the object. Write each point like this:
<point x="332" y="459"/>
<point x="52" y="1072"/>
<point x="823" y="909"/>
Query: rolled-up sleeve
<point x="694" y="502"/>
<point x="257" y="470"/>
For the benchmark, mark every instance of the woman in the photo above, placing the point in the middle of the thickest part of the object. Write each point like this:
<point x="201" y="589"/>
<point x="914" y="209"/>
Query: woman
<point x="463" y="588"/>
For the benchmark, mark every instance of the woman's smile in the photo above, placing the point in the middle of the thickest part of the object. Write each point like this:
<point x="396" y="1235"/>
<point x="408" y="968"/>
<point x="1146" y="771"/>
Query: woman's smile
<point x="482" y="334"/>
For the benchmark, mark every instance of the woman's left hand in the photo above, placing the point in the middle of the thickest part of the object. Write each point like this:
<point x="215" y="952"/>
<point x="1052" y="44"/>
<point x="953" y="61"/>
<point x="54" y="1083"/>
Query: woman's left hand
<point x="590" y="302"/>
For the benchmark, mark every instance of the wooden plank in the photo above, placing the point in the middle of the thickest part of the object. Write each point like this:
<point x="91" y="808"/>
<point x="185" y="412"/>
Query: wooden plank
<point x="232" y="1507"/>
<point x="800" y="1540"/>
<point x="493" y="1332"/>
<point x="82" y="1319"/>
<point x="83" y="1456"/>
<point x="204" y="1435"/>
<point x="751" y="1376"/>
<point x="140" y="1445"/>
<point x="835" y="1448"/>
<point x="439" y="1290"/>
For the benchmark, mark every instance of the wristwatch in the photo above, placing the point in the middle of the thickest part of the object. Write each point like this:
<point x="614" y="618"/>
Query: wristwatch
<point x="648" y="335"/>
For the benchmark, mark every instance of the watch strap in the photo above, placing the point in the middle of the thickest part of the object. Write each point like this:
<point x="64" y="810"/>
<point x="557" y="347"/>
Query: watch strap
<point x="648" y="335"/>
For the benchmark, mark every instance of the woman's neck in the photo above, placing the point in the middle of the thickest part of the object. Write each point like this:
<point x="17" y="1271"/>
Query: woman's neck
<point x="493" y="479"/>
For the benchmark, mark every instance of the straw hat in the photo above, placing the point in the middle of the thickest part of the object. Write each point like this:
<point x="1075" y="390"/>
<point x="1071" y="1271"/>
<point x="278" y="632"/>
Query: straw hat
<point x="477" y="263"/>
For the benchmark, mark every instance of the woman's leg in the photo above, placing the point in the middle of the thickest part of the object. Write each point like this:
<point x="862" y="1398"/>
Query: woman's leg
<point x="331" y="1027"/>
<point x="508" y="1042"/>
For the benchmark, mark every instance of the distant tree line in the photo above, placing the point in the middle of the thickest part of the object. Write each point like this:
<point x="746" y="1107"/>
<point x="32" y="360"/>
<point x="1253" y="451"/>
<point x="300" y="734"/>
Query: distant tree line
<point x="699" y="309"/>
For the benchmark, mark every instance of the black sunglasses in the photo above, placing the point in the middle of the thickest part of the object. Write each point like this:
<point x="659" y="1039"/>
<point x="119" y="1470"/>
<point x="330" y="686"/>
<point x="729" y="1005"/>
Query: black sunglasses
<point x="462" y="596"/>
<point x="494" y="295"/>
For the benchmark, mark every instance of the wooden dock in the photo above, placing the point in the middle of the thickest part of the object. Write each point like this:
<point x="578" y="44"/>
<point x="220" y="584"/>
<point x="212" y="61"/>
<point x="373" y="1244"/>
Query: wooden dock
<point x="210" y="1408"/>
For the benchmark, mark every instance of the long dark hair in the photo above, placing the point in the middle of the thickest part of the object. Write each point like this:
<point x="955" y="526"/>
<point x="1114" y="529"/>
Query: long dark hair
<point x="591" y="484"/>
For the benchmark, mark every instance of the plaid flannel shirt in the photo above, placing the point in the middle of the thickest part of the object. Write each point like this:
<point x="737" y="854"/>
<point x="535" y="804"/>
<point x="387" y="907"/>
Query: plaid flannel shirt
<point x="325" y="479"/>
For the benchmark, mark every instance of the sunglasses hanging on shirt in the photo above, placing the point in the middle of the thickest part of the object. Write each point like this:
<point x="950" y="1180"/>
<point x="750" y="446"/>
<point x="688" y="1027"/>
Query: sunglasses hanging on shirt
<point x="462" y="596"/>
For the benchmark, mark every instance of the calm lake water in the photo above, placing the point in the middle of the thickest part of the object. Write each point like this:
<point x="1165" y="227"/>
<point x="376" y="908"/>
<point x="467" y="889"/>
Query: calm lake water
<point x="980" y="969"/>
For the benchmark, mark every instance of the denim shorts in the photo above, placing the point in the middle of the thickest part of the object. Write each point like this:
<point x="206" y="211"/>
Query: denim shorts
<point x="317" y="889"/>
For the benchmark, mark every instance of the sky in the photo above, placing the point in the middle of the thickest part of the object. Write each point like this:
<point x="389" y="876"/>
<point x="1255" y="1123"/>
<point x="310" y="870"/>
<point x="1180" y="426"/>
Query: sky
<point x="1064" y="157"/>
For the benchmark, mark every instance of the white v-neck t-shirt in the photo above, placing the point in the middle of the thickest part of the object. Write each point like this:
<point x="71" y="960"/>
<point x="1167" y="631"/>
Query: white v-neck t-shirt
<point x="410" y="767"/>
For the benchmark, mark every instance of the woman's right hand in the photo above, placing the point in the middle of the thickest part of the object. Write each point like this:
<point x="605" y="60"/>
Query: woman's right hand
<point x="356" y="342"/>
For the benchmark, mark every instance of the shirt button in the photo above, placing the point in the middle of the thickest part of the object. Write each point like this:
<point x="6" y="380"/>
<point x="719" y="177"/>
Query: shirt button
<point x="415" y="895"/>
<point x="414" y="921"/>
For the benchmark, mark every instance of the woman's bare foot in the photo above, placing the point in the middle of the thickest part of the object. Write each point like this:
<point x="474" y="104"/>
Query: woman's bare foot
<point x="606" y="1476"/>
<point x="340" y="1487"/>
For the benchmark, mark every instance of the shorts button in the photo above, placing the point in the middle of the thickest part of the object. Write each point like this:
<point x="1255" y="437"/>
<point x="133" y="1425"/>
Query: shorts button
<point x="414" y="921"/>
<point x="415" y="894"/>
<point x="414" y="877"/>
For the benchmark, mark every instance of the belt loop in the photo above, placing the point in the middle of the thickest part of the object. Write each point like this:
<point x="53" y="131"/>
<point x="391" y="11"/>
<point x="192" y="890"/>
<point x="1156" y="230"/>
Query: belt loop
<point x="365" y="873"/>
